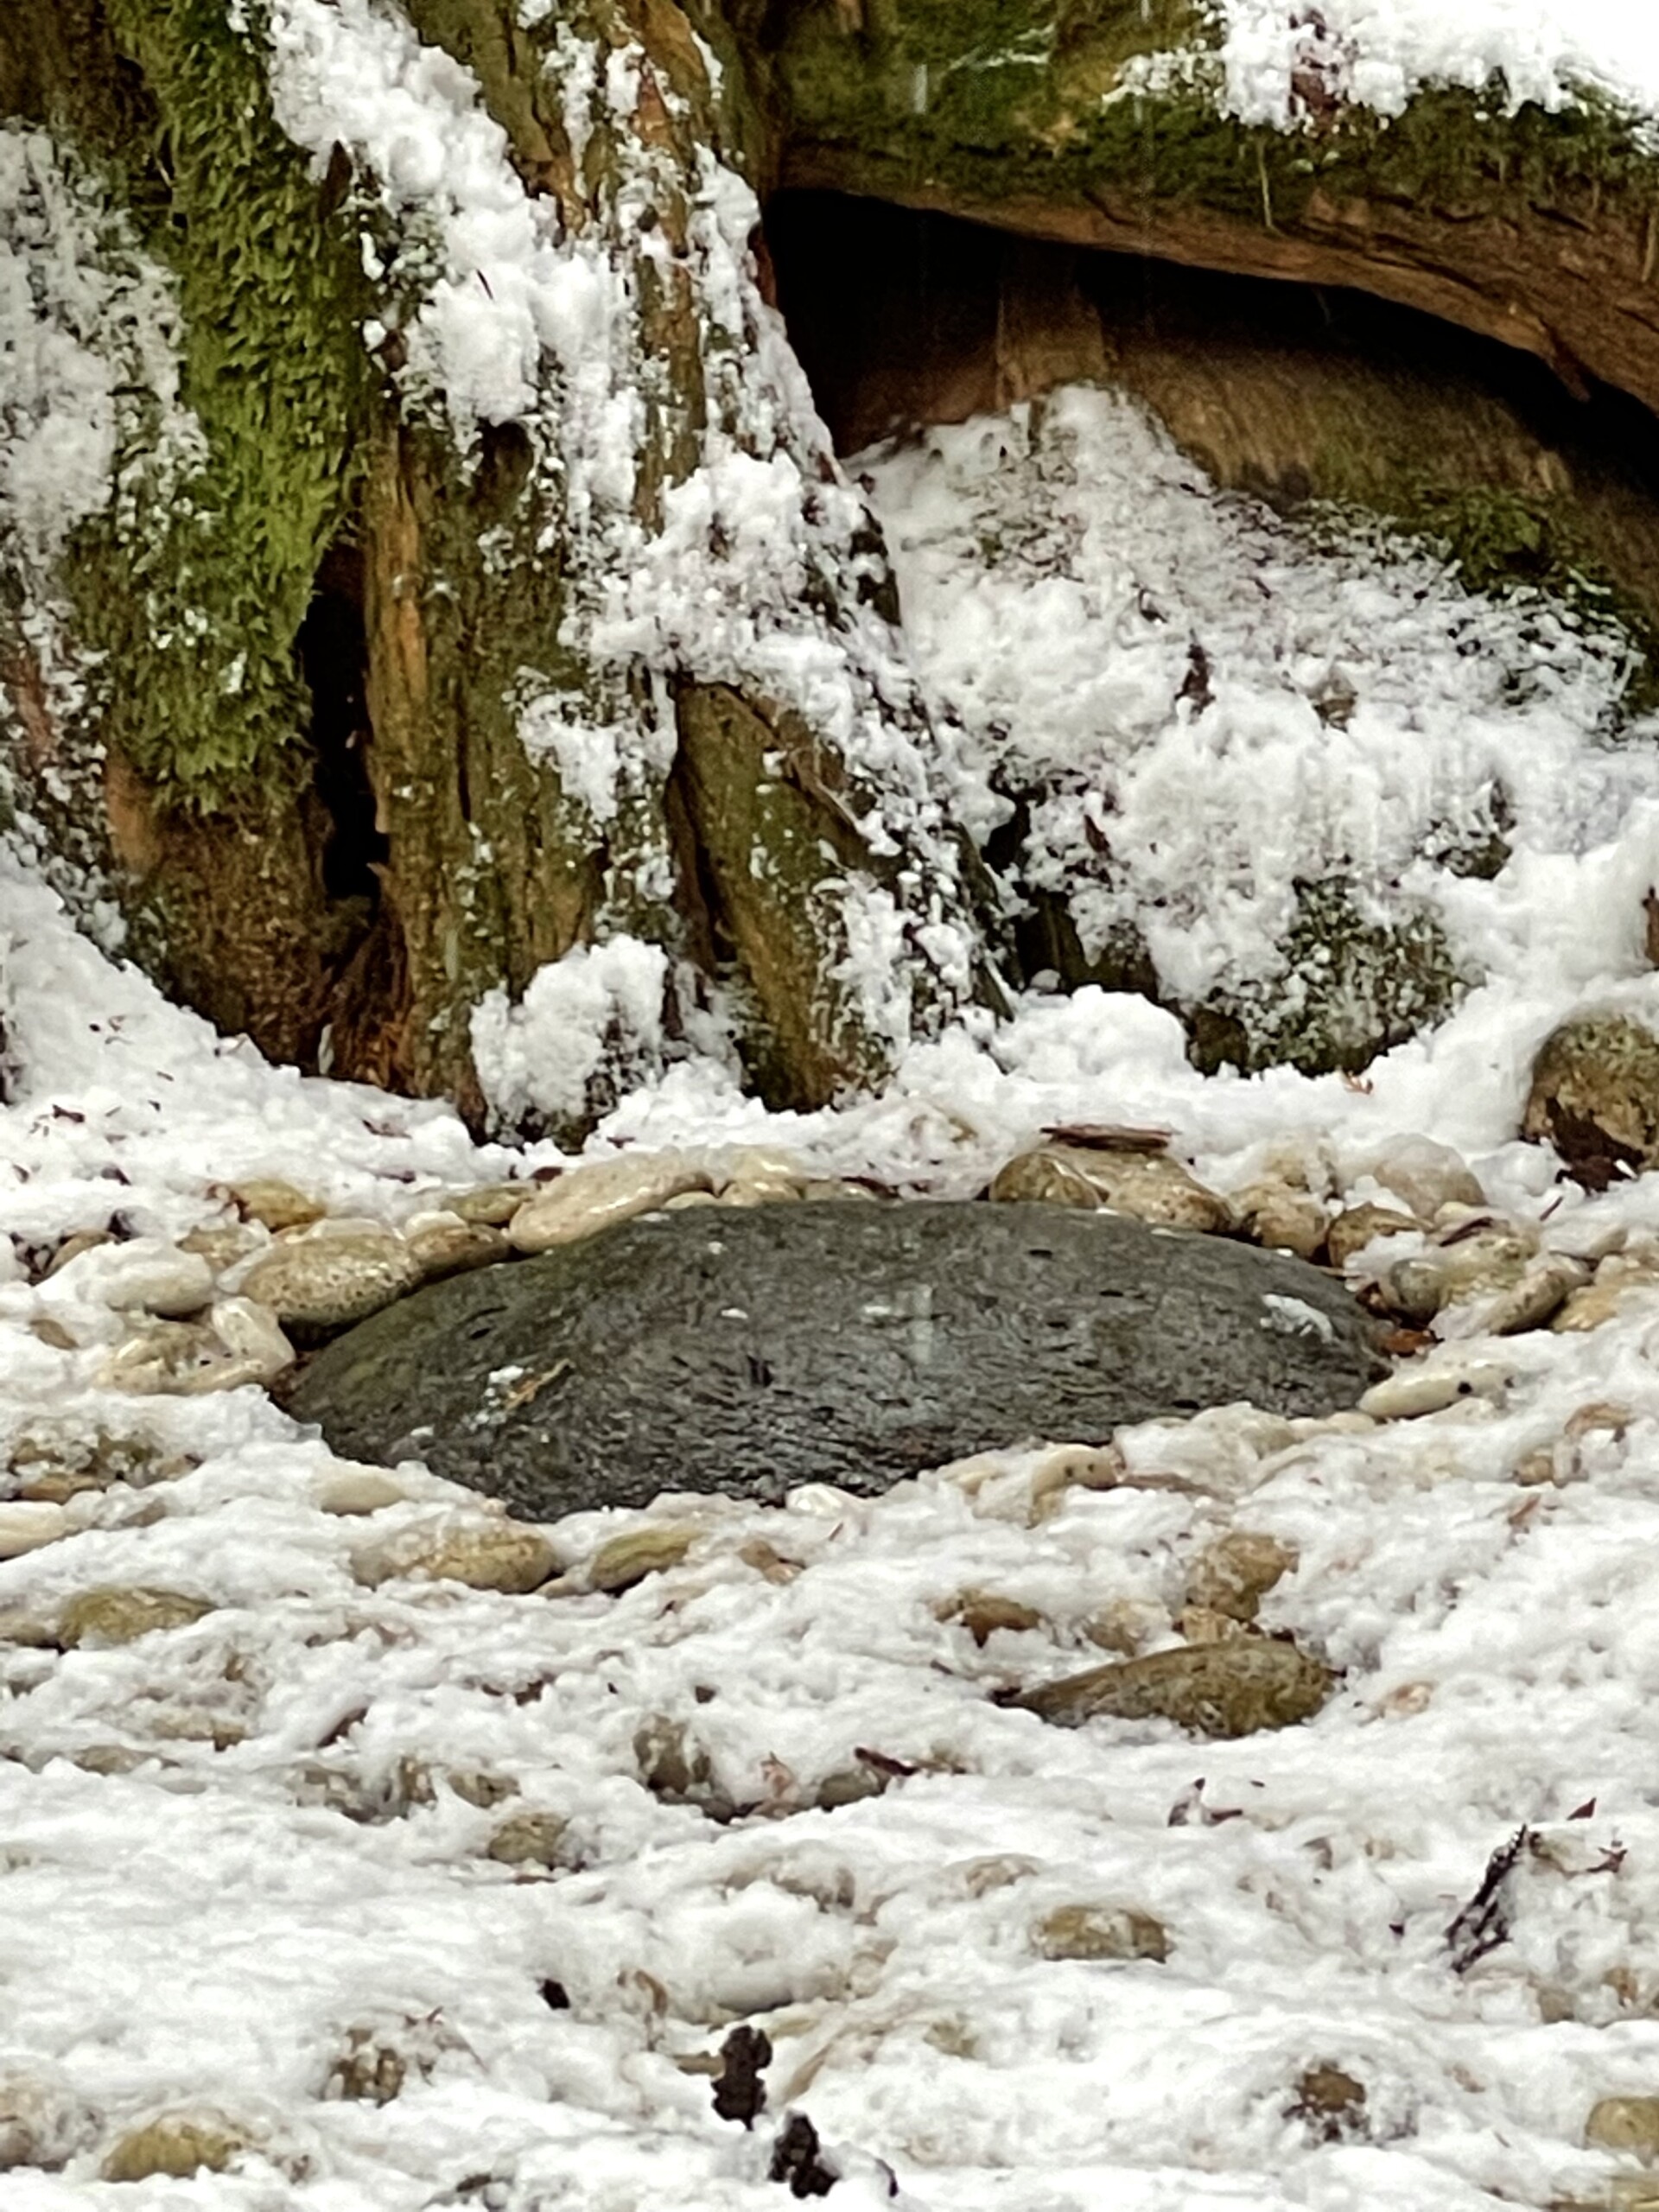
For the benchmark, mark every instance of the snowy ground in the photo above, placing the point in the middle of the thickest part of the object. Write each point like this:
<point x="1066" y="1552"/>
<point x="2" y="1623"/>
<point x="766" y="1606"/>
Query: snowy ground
<point x="236" y="1851"/>
<point x="237" y="1857"/>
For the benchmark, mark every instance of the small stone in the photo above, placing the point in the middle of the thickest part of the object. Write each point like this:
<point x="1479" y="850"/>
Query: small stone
<point x="1425" y="1176"/>
<point x="686" y="1201"/>
<point x="1332" y="2103"/>
<point x="491" y="1555"/>
<point x="1490" y="1260"/>
<point x="1416" y="1390"/>
<point x="1237" y="1572"/>
<point x="1542" y="1288"/>
<point x="46" y="1329"/>
<point x="676" y="1769"/>
<point x="490" y="1206"/>
<point x="1279" y="1218"/>
<point x="367" y="2071"/>
<point x="120" y="1614"/>
<point x="443" y="1244"/>
<point x="41" y="2125"/>
<point x="1624" y="2124"/>
<point x="1203" y="1624"/>
<point x="985" y="1615"/>
<point x="1224" y="1689"/>
<point x="589" y="1199"/>
<point x="1619" y="1276"/>
<point x="1088" y="1932"/>
<point x="528" y="1840"/>
<point x="327" y="1281"/>
<point x="147" y="1275"/>
<point x="239" y="1343"/>
<point x="1150" y="1186"/>
<point x="349" y="1491"/>
<point x="24" y="1526"/>
<point x="83" y="1240"/>
<point x="476" y="1786"/>
<point x="255" y="1348"/>
<point x="1073" y="1466"/>
<point x="1124" y="1625"/>
<point x="623" y="1561"/>
<point x="1356" y="1227"/>
<point x="222" y="1244"/>
<point x="276" y="1204"/>
<point x="177" y="2145"/>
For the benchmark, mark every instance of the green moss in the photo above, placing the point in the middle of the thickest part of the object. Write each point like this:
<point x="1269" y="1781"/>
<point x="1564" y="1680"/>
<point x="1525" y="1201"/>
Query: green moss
<point x="996" y="100"/>
<point x="1353" y="985"/>
<point x="195" y="598"/>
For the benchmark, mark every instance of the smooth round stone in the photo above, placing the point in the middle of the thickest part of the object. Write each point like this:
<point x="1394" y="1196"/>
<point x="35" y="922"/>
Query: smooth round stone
<point x="754" y="1351"/>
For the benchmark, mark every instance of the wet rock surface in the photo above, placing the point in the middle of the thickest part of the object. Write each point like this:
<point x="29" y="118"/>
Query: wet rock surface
<point x="769" y="1346"/>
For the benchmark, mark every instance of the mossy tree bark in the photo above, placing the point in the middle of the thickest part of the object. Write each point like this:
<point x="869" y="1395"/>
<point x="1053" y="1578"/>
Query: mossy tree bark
<point x="1099" y="123"/>
<point x="331" y="530"/>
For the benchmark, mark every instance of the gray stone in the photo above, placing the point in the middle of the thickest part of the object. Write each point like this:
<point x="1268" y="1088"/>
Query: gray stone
<point x="749" y="1352"/>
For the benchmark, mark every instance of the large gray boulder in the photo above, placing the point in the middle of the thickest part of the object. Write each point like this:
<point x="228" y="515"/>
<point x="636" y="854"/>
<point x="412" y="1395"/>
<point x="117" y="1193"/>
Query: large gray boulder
<point x="750" y="1350"/>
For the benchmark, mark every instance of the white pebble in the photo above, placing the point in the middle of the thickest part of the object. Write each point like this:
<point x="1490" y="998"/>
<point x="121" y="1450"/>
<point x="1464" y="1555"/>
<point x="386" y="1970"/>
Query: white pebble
<point x="24" y="1526"/>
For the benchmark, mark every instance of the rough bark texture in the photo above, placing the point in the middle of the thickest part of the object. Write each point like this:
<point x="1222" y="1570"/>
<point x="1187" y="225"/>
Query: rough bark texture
<point x="747" y="1351"/>
<point x="466" y="864"/>
<point x="1535" y="229"/>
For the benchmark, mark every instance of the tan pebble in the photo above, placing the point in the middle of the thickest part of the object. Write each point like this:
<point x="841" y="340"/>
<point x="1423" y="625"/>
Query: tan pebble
<point x="1534" y="1470"/>
<point x="84" y="1240"/>
<point x="1529" y="1302"/>
<point x="1406" y="1699"/>
<point x="754" y="1191"/>
<point x="120" y="1614"/>
<point x="25" y="1527"/>
<point x="496" y="1555"/>
<point x="1091" y="1931"/>
<point x="528" y="1840"/>
<point x="490" y="1206"/>
<point x="1073" y="1466"/>
<point x="222" y="1244"/>
<point x="1235" y="1573"/>
<point x="1225" y="1689"/>
<point x="1279" y="1219"/>
<point x="686" y="1201"/>
<point x="1332" y="2102"/>
<point x="983" y="1614"/>
<point x="147" y="1275"/>
<point x="1416" y="1390"/>
<point x="1125" y="1625"/>
<point x="952" y="2035"/>
<point x="817" y="1189"/>
<point x="598" y="1195"/>
<point x="1425" y="1175"/>
<point x="1417" y="1288"/>
<point x="1203" y="1624"/>
<point x="330" y="1282"/>
<point x="46" y="1329"/>
<point x="256" y="1351"/>
<point x="1356" y="1227"/>
<point x="624" y="1560"/>
<point x="177" y="2145"/>
<point x="442" y="1247"/>
<point x="1150" y="1186"/>
<point x="348" y="1490"/>
<point x="276" y="1204"/>
<point x="475" y="1786"/>
<point x="1624" y="2124"/>
<point x="367" y="2070"/>
<point x="767" y="1561"/>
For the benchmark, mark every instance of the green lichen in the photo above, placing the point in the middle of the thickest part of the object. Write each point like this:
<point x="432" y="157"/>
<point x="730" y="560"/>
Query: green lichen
<point x="1353" y="984"/>
<point x="195" y="595"/>
<point x="990" y="101"/>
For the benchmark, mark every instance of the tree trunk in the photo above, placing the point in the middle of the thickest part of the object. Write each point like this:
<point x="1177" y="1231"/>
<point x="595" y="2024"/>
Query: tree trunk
<point x="366" y="695"/>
